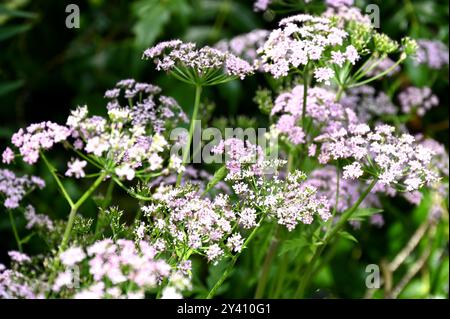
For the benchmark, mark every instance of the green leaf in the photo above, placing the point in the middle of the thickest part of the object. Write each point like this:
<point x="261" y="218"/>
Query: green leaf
<point x="362" y="213"/>
<point x="4" y="10"/>
<point x="10" y="31"/>
<point x="152" y="17"/>
<point x="293" y="245"/>
<point x="348" y="236"/>
<point x="219" y="175"/>
<point x="7" y="87"/>
<point x="27" y="239"/>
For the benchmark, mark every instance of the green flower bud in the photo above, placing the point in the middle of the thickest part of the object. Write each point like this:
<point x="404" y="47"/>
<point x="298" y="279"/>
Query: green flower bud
<point x="263" y="98"/>
<point x="384" y="44"/>
<point x="409" y="45"/>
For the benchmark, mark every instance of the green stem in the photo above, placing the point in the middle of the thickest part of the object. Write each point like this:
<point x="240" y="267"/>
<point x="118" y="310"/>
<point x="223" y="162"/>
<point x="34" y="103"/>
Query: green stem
<point x="186" y="152"/>
<point x="305" y="96"/>
<point x="378" y="75"/>
<point x="281" y="277"/>
<point x="14" y="228"/>
<point x="266" y="265"/>
<point x="52" y="170"/>
<point x="338" y="178"/>
<point x="76" y="206"/>
<point x="227" y="271"/>
<point x="328" y="237"/>
<point x="339" y="93"/>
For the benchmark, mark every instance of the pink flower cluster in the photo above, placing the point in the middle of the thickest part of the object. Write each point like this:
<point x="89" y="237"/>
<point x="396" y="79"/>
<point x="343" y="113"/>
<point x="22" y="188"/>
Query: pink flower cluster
<point x="118" y="270"/>
<point x="293" y="202"/>
<point x="261" y="5"/>
<point x="246" y="45"/>
<point x="126" y="135"/>
<point x="394" y="160"/>
<point x="201" y="224"/>
<point x="339" y="3"/>
<point x="14" y="188"/>
<point x="242" y="158"/>
<point x="35" y="220"/>
<point x="420" y="100"/>
<point x="304" y="39"/>
<point x="432" y="53"/>
<point x="288" y="201"/>
<point x="37" y="137"/>
<point x="325" y="181"/>
<point x="15" y="285"/>
<point x="320" y="107"/>
<point x="368" y="104"/>
<point x="175" y="54"/>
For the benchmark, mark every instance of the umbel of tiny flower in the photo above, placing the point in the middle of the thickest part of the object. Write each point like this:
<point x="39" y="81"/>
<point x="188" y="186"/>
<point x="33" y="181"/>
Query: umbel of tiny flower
<point x="396" y="161"/>
<point x="201" y="67"/>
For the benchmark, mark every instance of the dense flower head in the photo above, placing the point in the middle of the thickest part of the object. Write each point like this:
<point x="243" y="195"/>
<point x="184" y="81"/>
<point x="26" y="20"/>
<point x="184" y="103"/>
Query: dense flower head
<point x="13" y="188"/>
<point x="325" y="181"/>
<point x="18" y="257"/>
<point x="300" y="204"/>
<point x="205" y="66"/>
<point x="121" y="269"/>
<point x="7" y="156"/>
<point x="144" y="106"/>
<point x="393" y="160"/>
<point x="303" y="39"/>
<point x="132" y="135"/>
<point x="320" y="107"/>
<point x="432" y="53"/>
<point x="182" y="217"/>
<point x="440" y="160"/>
<point x="245" y="46"/>
<point x="347" y="14"/>
<point x="418" y="100"/>
<point x="37" y="137"/>
<point x="16" y="285"/>
<point x="242" y="158"/>
<point x="288" y="201"/>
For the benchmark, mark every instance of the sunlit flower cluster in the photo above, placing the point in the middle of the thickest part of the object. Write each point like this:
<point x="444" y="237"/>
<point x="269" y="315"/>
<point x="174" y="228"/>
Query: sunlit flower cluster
<point x="195" y="66"/>
<point x="118" y="270"/>
<point x="304" y="39"/>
